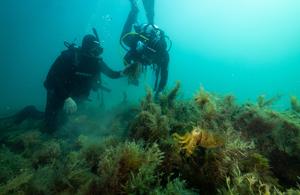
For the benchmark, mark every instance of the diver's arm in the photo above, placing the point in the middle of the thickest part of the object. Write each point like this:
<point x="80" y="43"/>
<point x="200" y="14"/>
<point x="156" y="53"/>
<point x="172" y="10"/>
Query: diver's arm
<point x="108" y="71"/>
<point x="164" y="72"/>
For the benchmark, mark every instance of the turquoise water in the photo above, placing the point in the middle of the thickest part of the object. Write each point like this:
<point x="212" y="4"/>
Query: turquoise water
<point x="243" y="47"/>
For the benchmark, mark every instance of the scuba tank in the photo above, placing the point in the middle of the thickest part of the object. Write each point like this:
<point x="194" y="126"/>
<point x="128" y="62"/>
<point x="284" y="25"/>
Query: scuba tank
<point x="150" y="37"/>
<point x="156" y="40"/>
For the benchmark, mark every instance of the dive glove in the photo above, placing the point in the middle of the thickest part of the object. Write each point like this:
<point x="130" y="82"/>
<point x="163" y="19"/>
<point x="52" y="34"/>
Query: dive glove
<point x="70" y="106"/>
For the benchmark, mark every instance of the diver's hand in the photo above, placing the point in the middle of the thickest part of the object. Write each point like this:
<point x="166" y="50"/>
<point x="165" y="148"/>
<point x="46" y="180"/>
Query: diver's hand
<point x="125" y="72"/>
<point x="70" y="106"/>
<point x="131" y="68"/>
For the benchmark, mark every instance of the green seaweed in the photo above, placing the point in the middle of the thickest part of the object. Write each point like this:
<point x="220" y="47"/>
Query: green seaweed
<point x="149" y="127"/>
<point x="11" y="164"/>
<point x="48" y="153"/>
<point x="167" y="100"/>
<point x="128" y="165"/>
<point x="16" y="185"/>
<point x="295" y="105"/>
<point x="174" y="187"/>
<point x="131" y="149"/>
<point x="262" y="102"/>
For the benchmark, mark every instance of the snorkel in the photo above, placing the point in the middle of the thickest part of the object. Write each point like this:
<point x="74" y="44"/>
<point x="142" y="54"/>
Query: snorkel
<point x="96" y="34"/>
<point x="98" y="40"/>
<point x="91" y="46"/>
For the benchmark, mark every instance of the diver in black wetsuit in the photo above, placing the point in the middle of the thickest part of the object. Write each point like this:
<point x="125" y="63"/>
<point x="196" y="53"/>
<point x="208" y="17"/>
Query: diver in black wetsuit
<point x="73" y="75"/>
<point x="146" y="46"/>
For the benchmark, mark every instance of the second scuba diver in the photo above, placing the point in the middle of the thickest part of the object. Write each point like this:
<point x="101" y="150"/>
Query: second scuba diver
<point x="146" y="46"/>
<point x="72" y="76"/>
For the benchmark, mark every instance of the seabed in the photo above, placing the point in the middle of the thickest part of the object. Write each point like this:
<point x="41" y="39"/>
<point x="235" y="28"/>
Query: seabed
<point x="208" y="144"/>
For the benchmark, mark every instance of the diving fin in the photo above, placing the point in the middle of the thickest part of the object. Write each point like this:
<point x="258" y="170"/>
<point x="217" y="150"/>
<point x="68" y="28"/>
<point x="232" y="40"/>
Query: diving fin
<point x="149" y="9"/>
<point x="134" y="5"/>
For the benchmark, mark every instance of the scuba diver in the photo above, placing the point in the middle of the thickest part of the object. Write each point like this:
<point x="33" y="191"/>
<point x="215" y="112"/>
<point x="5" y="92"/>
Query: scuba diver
<point x="72" y="76"/>
<point x="146" y="46"/>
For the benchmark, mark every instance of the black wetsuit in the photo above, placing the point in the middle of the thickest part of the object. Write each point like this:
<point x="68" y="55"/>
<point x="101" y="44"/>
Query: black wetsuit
<point x="72" y="75"/>
<point x="159" y="59"/>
